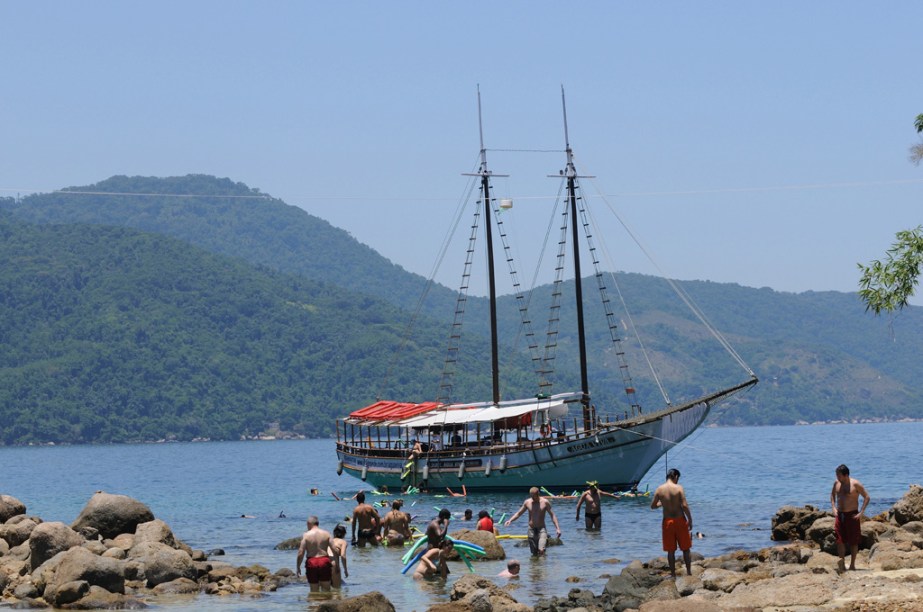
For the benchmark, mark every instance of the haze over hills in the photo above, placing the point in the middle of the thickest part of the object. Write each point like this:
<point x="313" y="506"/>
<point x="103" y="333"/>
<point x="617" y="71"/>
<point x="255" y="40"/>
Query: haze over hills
<point x="819" y="356"/>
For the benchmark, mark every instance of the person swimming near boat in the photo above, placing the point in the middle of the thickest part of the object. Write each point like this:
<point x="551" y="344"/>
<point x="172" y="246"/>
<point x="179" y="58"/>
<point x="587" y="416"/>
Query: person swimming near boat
<point x="486" y="523"/>
<point x="469" y="514"/>
<point x="593" y="511"/>
<point x="366" y="521"/>
<point x="464" y="492"/>
<point x="282" y="514"/>
<point x="315" y="491"/>
<point x="511" y="571"/>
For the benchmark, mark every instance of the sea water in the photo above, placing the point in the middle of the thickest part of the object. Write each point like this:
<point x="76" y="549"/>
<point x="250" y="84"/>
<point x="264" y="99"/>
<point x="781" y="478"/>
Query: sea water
<point x="735" y="480"/>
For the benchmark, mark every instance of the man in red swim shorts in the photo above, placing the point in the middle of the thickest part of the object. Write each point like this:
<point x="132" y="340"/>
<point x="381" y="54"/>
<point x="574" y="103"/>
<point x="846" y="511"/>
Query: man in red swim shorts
<point x="845" y="501"/>
<point x="318" y="567"/>
<point x="677" y="520"/>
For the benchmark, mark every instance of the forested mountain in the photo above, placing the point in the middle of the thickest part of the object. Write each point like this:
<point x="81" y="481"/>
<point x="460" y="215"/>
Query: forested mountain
<point x="111" y="334"/>
<point x="820" y="357"/>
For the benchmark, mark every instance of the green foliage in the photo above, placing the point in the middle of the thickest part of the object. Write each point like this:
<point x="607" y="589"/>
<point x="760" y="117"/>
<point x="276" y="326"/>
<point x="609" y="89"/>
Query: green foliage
<point x="918" y="123"/>
<point x="886" y="286"/>
<point x="275" y="320"/>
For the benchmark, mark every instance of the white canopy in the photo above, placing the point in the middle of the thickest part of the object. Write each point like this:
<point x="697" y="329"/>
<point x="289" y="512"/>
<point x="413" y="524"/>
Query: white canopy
<point x="463" y="414"/>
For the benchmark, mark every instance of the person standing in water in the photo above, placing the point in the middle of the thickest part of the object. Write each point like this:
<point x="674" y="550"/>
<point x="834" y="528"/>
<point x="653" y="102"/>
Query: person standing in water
<point x="338" y="548"/>
<point x="314" y="545"/>
<point x="844" y="497"/>
<point x="593" y="512"/>
<point x="677" y="520"/>
<point x="538" y="507"/>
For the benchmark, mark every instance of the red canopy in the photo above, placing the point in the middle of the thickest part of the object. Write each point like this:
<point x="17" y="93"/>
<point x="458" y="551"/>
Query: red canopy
<point x="392" y="411"/>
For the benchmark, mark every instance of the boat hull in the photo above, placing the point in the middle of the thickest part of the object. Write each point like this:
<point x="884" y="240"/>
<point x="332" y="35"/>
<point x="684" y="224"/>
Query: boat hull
<point x="617" y="456"/>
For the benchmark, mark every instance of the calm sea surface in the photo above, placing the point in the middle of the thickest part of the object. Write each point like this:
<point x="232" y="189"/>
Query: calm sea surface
<point x="735" y="479"/>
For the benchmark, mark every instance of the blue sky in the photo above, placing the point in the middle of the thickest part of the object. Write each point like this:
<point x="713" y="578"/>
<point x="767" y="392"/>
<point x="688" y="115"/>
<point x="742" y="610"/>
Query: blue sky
<point x="763" y="144"/>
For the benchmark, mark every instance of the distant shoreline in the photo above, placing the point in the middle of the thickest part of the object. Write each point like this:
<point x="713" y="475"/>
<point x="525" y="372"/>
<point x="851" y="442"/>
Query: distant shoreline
<point x="289" y="437"/>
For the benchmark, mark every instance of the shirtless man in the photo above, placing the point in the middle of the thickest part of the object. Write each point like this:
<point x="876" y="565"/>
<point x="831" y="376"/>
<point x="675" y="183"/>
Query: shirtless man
<point x="593" y="512"/>
<point x="338" y="548"/>
<point x="538" y="507"/>
<point x="433" y="561"/>
<point x="437" y="529"/>
<point x="318" y="567"/>
<point x="677" y="520"/>
<point x="396" y="525"/>
<point x="844" y="497"/>
<point x="366" y="520"/>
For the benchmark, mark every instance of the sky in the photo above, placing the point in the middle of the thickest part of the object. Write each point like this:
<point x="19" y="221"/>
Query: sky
<point x="763" y="144"/>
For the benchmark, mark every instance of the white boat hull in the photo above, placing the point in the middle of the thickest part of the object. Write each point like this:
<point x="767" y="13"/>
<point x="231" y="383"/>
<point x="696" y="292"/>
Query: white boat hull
<point x="616" y="456"/>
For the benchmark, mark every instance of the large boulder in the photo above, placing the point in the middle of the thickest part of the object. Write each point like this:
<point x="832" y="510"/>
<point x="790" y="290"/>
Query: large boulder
<point x="18" y="529"/>
<point x="485" y="539"/>
<point x="10" y="507"/>
<point x="48" y="539"/>
<point x="155" y="531"/>
<point x="909" y="507"/>
<point x="112" y="515"/>
<point x="162" y="563"/>
<point x="76" y="564"/>
<point x="792" y="522"/>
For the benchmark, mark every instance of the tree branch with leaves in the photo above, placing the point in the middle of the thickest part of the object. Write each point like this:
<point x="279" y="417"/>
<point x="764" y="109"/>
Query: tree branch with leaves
<point x="887" y="285"/>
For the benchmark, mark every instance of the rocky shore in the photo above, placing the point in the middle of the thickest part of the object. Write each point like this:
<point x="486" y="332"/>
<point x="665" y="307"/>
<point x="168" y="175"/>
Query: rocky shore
<point x="117" y="555"/>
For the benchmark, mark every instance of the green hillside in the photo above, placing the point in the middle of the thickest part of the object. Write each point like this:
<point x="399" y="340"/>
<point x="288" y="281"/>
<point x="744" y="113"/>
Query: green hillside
<point x="110" y="334"/>
<point x="819" y="356"/>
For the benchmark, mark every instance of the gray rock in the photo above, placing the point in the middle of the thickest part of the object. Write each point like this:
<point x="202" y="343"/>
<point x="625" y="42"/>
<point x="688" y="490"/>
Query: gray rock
<point x="178" y="586"/>
<point x="10" y="507"/>
<point x="909" y="508"/>
<point x="80" y="564"/>
<point x="792" y="522"/>
<point x="26" y="590"/>
<point x="687" y="604"/>
<point x="155" y="531"/>
<point x="69" y="592"/>
<point x="48" y="539"/>
<point x="721" y="579"/>
<point x="289" y="544"/>
<point x="804" y="590"/>
<point x="485" y="539"/>
<point x="367" y="602"/>
<point x="15" y="532"/>
<point x="162" y="563"/>
<point x="112" y="515"/>
<point x="99" y="598"/>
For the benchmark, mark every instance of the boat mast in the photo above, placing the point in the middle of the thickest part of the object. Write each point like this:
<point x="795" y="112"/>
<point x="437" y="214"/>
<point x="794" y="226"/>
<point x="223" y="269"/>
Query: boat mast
<point x="570" y="173"/>
<point x="485" y="175"/>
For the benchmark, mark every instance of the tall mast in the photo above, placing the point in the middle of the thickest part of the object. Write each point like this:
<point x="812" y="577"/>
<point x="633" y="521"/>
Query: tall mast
<point x="485" y="175"/>
<point x="570" y="173"/>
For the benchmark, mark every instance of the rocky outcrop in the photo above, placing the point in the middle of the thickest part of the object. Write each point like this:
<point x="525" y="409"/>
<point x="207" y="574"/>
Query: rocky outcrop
<point x="792" y="523"/>
<point x="797" y="576"/>
<point x="49" y="539"/>
<point x="110" y="515"/>
<point x="478" y="593"/>
<point x="93" y="566"/>
<point x="909" y="508"/>
<point x="10" y="507"/>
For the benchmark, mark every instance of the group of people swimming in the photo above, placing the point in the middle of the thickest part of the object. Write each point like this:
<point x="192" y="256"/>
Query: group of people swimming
<point x="325" y="554"/>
